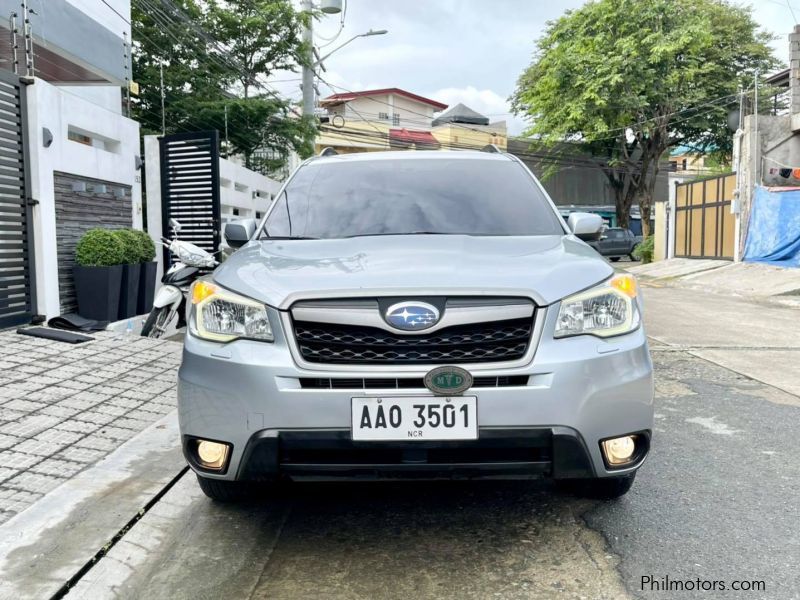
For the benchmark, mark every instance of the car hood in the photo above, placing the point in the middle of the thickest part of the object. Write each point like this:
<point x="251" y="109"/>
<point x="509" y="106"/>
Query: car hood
<point x="544" y="268"/>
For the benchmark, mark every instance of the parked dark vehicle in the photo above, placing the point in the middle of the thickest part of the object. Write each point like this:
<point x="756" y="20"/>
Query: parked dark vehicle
<point x="616" y="242"/>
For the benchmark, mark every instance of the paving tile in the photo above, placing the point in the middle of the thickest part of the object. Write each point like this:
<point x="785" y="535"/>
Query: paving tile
<point x="82" y="427"/>
<point x="117" y="433"/>
<point x="25" y="406"/>
<point x="29" y="426"/>
<point x="81" y="455"/>
<point x="56" y="435"/>
<point x="62" y="412"/>
<point x="93" y="416"/>
<point x="7" y="472"/>
<point x="40" y="448"/>
<point x="15" y="501"/>
<point x="17" y="460"/>
<point x="8" y="441"/>
<point x="7" y="414"/>
<point x="58" y="467"/>
<point x="110" y="409"/>
<point x="35" y="483"/>
<point x="98" y="442"/>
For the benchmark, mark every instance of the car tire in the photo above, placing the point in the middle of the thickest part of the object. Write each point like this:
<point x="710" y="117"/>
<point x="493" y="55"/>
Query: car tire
<point x="221" y="490"/>
<point x="631" y="257"/>
<point x="615" y="258"/>
<point x="599" y="488"/>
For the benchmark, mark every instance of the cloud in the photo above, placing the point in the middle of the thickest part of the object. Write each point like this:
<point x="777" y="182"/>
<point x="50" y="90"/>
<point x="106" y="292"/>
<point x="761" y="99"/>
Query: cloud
<point x="485" y="101"/>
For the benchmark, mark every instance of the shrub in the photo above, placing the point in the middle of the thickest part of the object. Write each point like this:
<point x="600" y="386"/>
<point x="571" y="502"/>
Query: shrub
<point x="130" y="244"/>
<point x="644" y="251"/>
<point x="99" y="248"/>
<point x="147" y="249"/>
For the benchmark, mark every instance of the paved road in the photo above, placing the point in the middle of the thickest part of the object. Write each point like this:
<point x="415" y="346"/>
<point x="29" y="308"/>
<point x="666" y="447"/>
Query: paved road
<point x="716" y="501"/>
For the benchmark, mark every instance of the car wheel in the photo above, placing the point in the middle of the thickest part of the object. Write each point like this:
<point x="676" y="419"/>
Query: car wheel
<point x="615" y="258"/>
<point x="225" y="491"/>
<point x="632" y="257"/>
<point x="599" y="488"/>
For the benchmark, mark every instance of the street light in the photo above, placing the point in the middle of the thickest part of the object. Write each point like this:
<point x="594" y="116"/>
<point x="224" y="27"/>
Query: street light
<point x="355" y="37"/>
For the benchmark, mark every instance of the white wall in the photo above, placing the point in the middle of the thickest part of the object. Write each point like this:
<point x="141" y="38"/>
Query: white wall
<point x="247" y="191"/>
<point x="108" y="97"/>
<point x="413" y="115"/>
<point x="110" y="158"/>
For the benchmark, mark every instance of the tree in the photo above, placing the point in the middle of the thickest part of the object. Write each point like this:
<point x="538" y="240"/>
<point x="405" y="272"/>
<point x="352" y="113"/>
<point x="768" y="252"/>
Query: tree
<point x="631" y="78"/>
<point x="210" y="54"/>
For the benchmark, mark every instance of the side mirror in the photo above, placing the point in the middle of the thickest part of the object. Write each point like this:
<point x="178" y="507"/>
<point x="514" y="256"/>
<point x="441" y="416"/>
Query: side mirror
<point x="586" y="226"/>
<point x="239" y="232"/>
<point x="176" y="226"/>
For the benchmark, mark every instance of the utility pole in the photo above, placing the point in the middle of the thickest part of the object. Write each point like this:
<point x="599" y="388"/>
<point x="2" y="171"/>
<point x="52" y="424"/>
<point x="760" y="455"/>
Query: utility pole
<point x="227" y="143"/>
<point x="308" y="71"/>
<point x="163" y="114"/>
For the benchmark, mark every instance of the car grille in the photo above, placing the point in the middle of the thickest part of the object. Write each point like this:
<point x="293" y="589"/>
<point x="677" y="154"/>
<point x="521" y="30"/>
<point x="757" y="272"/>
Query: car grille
<point x="352" y="344"/>
<point x="399" y="383"/>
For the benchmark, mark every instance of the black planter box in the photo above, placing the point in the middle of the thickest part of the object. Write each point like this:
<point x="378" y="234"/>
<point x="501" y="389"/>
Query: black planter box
<point x="97" y="289"/>
<point x="129" y="292"/>
<point x="147" y="288"/>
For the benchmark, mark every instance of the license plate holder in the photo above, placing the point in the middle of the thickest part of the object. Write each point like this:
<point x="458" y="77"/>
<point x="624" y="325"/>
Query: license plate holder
<point x="414" y="418"/>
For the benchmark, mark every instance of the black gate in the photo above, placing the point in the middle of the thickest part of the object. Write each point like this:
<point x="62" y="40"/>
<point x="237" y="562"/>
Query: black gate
<point x="190" y="188"/>
<point x="17" y="299"/>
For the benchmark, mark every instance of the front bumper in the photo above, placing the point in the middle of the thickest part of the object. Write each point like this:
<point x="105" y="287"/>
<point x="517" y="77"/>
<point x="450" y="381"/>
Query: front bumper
<point x="579" y="391"/>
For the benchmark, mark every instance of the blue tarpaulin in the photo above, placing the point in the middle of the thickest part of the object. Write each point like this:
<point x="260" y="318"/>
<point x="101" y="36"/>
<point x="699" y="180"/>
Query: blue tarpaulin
<point x="773" y="235"/>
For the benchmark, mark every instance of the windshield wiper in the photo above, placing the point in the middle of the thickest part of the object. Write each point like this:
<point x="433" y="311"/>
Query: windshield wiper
<point x="287" y="237"/>
<point x="406" y="233"/>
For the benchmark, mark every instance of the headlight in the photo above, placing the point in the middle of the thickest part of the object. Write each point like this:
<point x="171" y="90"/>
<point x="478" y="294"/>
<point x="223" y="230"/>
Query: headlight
<point x="223" y="316"/>
<point x="606" y="310"/>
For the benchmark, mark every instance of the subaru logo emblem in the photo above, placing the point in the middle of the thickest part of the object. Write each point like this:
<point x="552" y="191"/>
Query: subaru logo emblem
<point x="412" y="316"/>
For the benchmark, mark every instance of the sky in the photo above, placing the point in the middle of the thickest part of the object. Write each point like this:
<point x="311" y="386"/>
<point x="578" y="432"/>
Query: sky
<point x="469" y="51"/>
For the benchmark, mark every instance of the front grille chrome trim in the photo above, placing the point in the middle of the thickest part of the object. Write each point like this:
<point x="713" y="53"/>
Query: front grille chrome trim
<point x="371" y="317"/>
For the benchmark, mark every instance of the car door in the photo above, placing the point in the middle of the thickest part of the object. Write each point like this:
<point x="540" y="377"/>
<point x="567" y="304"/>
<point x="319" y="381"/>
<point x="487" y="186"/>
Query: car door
<point x="616" y="243"/>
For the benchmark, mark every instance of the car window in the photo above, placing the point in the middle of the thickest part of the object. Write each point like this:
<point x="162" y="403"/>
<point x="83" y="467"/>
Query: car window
<point x="615" y="234"/>
<point x="383" y="197"/>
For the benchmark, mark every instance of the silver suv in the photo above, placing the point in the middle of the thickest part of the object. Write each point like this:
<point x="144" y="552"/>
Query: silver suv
<point x="415" y="315"/>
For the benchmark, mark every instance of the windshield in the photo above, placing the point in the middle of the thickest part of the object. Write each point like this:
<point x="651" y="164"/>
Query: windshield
<point x="390" y="197"/>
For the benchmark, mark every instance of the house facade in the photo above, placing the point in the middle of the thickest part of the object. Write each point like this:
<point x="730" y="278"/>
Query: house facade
<point x="374" y="120"/>
<point x="68" y="69"/>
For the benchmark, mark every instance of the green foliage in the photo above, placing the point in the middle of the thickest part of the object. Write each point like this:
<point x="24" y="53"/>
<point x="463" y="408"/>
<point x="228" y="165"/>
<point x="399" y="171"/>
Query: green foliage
<point x="644" y="251"/>
<point x="131" y="248"/>
<point x="99" y="248"/>
<point x="217" y="55"/>
<point x="147" y="249"/>
<point x="631" y="78"/>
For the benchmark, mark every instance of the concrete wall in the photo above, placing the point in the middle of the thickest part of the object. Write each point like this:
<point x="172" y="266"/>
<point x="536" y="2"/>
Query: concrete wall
<point x="110" y="158"/>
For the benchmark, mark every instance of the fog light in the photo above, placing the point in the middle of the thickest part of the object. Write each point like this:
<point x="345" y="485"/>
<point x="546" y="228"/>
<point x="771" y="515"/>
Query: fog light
<point x="619" y="450"/>
<point x="212" y="455"/>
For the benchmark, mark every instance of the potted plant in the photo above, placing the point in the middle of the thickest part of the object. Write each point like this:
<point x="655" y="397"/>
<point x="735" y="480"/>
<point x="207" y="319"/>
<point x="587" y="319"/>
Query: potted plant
<point x="131" y="267"/>
<point x="98" y="274"/>
<point x="147" y="277"/>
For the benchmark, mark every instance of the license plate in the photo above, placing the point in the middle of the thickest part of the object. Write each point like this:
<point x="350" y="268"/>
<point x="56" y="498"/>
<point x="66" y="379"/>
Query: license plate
<point x="423" y="418"/>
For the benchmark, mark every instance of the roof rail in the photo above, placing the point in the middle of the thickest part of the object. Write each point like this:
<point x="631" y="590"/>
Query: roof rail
<point x="328" y="152"/>
<point x="491" y="148"/>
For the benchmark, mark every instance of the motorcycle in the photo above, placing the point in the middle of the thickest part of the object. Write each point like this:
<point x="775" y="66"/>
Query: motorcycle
<point x="170" y="300"/>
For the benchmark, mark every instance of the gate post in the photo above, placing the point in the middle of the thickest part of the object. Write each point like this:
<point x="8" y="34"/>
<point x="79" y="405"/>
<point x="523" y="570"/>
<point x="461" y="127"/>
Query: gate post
<point x="152" y="175"/>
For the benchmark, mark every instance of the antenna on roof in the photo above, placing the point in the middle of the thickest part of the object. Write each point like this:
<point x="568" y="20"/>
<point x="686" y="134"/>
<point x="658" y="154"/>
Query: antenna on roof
<point x="328" y="152"/>
<point x="491" y="148"/>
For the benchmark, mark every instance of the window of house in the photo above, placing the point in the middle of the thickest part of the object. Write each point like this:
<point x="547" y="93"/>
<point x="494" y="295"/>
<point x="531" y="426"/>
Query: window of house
<point x="383" y="116"/>
<point x="685" y="162"/>
<point x="395" y="119"/>
<point x="235" y="212"/>
<point x="79" y="137"/>
<point x="258" y="214"/>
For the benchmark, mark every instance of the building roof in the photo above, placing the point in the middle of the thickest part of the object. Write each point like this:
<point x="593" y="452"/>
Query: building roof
<point x="347" y="96"/>
<point x="461" y="113"/>
<point x="413" y="137"/>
